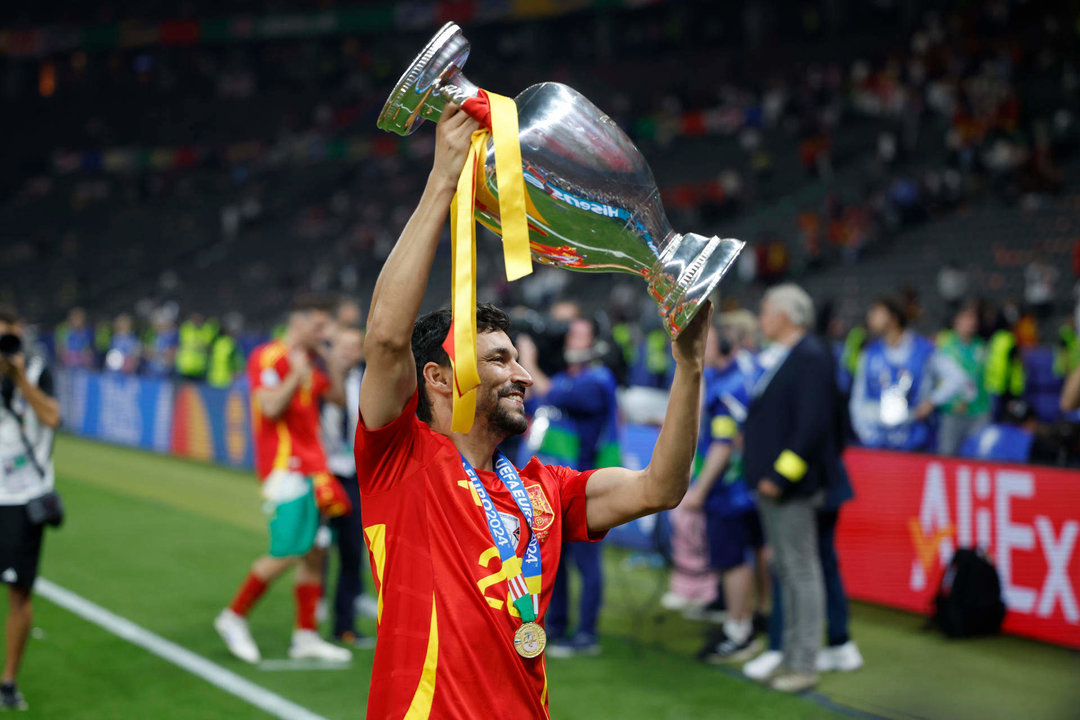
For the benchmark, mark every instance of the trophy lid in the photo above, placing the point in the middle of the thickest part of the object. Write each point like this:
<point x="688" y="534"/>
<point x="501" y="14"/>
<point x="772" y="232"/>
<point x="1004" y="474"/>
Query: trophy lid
<point x="445" y="54"/>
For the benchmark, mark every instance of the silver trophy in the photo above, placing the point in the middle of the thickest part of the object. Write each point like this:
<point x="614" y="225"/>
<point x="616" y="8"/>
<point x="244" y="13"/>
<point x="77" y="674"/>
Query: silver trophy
<point x="592" y="201"/>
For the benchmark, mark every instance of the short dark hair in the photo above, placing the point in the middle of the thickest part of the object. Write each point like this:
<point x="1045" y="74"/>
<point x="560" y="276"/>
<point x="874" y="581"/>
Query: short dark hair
<point x="310" y="302"/>
<point x="894" y="307"/>
<point x="427" y="338"/>
<point x="8" y="315"/>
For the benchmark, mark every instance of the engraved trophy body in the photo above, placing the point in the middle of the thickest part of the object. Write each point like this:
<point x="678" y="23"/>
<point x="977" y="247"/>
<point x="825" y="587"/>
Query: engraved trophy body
<point x="591" y="199"/>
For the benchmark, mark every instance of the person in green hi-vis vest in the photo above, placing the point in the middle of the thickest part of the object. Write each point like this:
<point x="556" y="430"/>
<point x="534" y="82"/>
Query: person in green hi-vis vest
<point x="226" y="361"/>
<point x="1005" y="377"/>
<point x="193" y="355"/>
<point x="964" y="416"/>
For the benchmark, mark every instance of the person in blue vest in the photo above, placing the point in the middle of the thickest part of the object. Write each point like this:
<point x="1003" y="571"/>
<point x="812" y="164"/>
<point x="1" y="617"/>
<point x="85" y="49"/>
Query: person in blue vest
<point x="75" y="341"/>
<point x="573" y="425"/>
<point x="900" y="381"/>
<point x="732" y="525"/>
<point x="160" y="351"/>
<point x="125" y="350"/>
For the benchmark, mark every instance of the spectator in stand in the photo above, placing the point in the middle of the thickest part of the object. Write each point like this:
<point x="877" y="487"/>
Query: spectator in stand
<point x="792" y="457"/>
<point x="349" y="314"/>
<point x="75" y="341"/>
<point x="900" y="381"/>
<point x="1040" y="282"/>
<point x="338" y="430"/>
<point x="840" y="654"/>
<point x="226" y="362"/>
<point x="1011" y="440"/>
<point x="732" y="524"/>
<point x="193" y="355"/>
<point x="961" y="417"/>
<point x="124" y="347"/>
<point x="952" y="283"/>
<point x="1006" y="377"/>
<point x="573" y="425"/>
<point x="161" y="353"/>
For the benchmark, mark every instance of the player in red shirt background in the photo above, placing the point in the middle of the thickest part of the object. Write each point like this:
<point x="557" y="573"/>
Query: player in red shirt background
<point x="464" y="547"/>
<point x="287" y="386"/>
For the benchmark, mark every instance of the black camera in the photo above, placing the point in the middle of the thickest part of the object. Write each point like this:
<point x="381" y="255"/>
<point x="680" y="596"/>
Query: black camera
<point x="10" y="344"/>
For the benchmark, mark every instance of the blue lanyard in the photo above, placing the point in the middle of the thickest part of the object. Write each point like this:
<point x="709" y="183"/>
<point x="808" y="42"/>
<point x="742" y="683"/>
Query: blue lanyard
<point x="523" y="576"/>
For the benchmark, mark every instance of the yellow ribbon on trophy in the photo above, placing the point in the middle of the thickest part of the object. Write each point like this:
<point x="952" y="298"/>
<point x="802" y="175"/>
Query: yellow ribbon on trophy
<point x="515" y="234"/>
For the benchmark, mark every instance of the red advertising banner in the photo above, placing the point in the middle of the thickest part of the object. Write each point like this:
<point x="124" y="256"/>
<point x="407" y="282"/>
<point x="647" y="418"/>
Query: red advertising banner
<point x="912" y="511"/>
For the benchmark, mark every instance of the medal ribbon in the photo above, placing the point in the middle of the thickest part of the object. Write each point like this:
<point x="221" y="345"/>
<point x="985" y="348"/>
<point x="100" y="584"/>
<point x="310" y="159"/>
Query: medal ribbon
<point x="500" y="115"/>
<point x="523" y="576"/>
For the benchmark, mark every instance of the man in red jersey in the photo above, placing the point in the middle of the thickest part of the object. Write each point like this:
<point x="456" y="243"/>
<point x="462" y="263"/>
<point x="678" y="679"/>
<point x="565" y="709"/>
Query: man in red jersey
<point x="286" y="387"/>
<point x="464" y="547"/>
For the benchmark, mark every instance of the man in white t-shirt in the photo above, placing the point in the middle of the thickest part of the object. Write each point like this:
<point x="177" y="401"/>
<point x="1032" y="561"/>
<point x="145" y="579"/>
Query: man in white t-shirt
<point x="28" y="415"/>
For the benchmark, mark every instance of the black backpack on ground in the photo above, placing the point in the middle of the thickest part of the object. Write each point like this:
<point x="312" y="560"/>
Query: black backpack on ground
<point x="968" y="602"/>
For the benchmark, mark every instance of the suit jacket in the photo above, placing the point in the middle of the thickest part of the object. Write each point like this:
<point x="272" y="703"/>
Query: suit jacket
<point x="791" y="434"/>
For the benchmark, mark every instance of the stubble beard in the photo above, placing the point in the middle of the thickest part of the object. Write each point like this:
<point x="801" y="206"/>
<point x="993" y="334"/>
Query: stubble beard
<point x="502" y="420"/>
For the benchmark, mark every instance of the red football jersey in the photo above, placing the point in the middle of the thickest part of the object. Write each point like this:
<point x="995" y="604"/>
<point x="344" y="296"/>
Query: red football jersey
<point x="291" y="442"/>
<point x="446" y="623"/>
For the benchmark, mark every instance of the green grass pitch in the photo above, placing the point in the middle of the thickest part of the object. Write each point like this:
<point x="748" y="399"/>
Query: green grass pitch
<point x="165" y="542"/>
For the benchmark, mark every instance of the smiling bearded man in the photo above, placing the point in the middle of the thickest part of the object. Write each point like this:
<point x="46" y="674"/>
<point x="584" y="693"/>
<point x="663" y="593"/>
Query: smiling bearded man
<point x="464" y="546"/>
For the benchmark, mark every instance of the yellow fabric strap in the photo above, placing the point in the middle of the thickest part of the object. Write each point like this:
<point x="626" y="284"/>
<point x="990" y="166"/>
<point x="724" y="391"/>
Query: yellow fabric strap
<point x="724" y="427"/>
<point x="463" y="250"/>
<point x="515" y="231"/>
<point x="790" y="466"/>
<point x="511" y="181"/>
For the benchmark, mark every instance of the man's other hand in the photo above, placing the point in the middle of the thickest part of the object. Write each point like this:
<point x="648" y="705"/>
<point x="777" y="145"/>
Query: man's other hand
<point x="689" y="347"/>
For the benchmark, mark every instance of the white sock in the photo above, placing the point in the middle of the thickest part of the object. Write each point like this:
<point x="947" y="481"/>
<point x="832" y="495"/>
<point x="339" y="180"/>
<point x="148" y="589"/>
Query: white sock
<point x="738" y="630"/>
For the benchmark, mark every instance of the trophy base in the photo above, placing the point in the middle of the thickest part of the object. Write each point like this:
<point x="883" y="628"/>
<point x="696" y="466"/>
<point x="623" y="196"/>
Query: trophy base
<point x="687" y="272"/>
<point x="416" y="96"/>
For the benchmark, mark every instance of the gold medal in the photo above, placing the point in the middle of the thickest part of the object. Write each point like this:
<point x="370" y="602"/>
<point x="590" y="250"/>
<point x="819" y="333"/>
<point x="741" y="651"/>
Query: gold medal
<point x="530" y="640"/>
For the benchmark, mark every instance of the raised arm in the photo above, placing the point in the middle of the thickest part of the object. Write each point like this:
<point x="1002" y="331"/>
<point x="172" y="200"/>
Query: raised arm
<point x="618" y="495"/>
<point x="390" y="377"/>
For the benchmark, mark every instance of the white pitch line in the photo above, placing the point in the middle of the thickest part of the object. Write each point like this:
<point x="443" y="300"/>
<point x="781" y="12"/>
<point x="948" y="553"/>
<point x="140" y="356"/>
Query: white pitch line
<point x="211" y="672"/>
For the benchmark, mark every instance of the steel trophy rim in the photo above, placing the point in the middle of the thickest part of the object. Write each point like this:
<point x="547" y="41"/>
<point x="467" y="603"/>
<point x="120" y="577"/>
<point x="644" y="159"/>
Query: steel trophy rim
<point x="447" y="51"/>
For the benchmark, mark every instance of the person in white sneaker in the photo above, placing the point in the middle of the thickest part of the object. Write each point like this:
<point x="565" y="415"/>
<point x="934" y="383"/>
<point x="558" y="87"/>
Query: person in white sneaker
<point x="791" y="456"/>
<point x="840" y="653"/>
<point x="287" y="382"/>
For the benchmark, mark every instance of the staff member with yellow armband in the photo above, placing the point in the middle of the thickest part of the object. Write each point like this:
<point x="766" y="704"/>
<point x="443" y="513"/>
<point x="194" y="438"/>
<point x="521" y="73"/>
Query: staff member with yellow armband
<point x="791" y="455"/>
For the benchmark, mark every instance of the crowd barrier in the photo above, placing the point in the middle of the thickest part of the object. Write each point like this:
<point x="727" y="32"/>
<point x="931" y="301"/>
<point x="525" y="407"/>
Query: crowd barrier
<point x="188" y="420"/>
<point x="895" y="538"/>
<point x="912" y="511"/>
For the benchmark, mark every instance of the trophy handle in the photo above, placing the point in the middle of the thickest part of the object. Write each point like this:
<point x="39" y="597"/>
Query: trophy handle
<point x="687" y="271"/>
<point x="432" y="79"/>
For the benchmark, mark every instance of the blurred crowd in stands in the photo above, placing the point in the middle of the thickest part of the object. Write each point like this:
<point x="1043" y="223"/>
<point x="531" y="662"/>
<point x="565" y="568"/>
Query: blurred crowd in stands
<point x="982" y="371"/>
<point x="228" y="158"/>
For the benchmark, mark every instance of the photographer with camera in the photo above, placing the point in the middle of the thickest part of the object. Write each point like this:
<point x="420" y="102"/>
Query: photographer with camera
<point x="28" y="415"/>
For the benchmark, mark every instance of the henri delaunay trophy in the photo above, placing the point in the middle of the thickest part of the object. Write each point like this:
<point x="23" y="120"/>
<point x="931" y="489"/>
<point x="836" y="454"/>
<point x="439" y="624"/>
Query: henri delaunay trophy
<point x="593" y="205"/>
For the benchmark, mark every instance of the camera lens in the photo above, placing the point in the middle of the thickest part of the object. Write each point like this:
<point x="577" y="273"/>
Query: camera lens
<point x="10" y="344"/>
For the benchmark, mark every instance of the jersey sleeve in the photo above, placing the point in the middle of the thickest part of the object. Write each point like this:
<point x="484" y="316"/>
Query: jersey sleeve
<point x="267" y="368"/>
<point x="382" y="454"/>
<point x="575" y="521"/>
<point x="722" y="426"/>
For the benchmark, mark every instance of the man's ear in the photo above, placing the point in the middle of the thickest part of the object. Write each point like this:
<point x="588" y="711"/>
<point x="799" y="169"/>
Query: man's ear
<point x="439" y="378"/>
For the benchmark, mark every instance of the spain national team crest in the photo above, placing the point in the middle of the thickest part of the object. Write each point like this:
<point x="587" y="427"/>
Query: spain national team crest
<point x="543" y="515"/>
